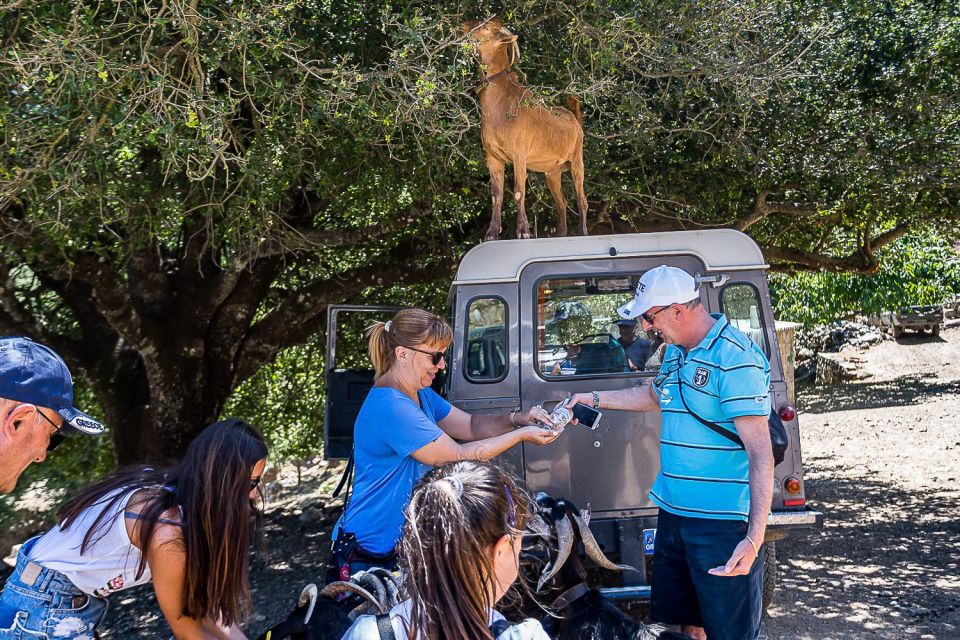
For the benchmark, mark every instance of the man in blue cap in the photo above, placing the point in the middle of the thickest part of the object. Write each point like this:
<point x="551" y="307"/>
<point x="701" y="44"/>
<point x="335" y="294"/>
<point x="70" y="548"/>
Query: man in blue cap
<point x="714" y="496"/>
<point x="36" y="407"/>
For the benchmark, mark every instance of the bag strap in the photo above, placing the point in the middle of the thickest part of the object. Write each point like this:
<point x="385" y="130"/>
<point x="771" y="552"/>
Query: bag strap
<point x="385" y="627"/>
<point x="344" y="477"/>
<point x="713" y="426"/>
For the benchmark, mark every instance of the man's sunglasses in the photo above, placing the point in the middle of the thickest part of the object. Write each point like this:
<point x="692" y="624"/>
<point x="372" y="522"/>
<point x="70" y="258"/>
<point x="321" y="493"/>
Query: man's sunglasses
<point x="648" y="317"/>
<point x="661" y="378"/>
<point x="57" y="437"/>
<point x="435" y="356"/>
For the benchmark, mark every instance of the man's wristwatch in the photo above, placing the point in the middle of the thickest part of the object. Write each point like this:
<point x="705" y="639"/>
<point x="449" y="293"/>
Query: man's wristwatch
<point x="596" y="400"/>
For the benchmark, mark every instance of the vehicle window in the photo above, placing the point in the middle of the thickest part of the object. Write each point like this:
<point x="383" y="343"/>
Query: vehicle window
<point x="486" y="350"/>
<point x="741" y="305"/>
<point x="578" y="330"/>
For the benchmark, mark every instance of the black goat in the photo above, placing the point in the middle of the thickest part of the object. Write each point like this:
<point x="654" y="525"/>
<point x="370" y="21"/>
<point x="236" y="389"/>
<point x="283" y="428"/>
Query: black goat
<point x="579" y="611"/>
<point x="327" y="614"/>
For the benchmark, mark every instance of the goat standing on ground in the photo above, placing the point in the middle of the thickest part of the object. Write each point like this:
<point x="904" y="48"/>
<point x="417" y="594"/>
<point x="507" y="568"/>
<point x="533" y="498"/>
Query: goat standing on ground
<point x="516" y="128"/>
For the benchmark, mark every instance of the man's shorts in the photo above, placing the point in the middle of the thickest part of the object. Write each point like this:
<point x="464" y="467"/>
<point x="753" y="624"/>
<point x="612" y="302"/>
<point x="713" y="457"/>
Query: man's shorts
<point x="685" y="594"/>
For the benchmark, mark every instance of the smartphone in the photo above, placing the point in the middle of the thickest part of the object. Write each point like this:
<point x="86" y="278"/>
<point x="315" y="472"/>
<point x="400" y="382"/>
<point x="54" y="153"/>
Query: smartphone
<point x="587" y="416"/>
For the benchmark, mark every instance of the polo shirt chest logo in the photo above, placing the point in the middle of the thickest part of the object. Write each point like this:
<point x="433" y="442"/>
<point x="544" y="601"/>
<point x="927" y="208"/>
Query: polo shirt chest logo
<point x="700" y="377"/>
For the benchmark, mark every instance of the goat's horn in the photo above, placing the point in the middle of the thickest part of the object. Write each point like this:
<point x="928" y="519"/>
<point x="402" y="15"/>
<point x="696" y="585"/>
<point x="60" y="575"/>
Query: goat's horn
<point x="539" y="527"/>
<point x="390" y="583"/>
<point x="371" y="582"/>
<point x="335" y="589"/>
<point x="308" y="597"/>
<point x="593" y="550"/>
<point x="564" y="546"/>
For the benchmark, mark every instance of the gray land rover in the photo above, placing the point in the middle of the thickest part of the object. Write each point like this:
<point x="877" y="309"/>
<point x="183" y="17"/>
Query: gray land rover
<point x="522" y="309"/>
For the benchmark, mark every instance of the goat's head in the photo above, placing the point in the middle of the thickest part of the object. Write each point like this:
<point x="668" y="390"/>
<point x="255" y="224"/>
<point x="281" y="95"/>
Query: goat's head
<point x="491" y="40"/>
<point x="327" y="613"/>
<point x="562" y="526"/>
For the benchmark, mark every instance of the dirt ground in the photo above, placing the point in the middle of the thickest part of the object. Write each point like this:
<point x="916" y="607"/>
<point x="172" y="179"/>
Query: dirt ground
<point x="882" y="460"/>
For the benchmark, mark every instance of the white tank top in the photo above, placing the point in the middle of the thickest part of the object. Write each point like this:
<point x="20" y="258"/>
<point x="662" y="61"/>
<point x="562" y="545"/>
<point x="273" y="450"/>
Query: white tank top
<point x="110" y="562"/>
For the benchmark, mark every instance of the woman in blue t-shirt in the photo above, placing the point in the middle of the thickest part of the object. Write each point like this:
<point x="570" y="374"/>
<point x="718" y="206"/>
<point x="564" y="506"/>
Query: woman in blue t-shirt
<point x="404" y="428"/>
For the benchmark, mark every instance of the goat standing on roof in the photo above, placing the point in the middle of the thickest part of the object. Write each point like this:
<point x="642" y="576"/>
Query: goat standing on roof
<point x="518" y="130"/>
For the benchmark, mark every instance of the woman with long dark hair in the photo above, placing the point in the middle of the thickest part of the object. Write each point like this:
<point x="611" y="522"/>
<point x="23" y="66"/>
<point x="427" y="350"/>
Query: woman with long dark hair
<point x="187" y="529"/>
<point x="460" y="553"/>
<point x="404" y="428"/>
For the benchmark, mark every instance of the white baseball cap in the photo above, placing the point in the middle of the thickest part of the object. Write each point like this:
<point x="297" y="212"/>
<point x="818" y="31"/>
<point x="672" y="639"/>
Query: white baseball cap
<point x="661" y="287"/>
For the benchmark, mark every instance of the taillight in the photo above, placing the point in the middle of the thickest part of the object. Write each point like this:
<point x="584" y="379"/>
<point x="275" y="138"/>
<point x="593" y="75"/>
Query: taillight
<point x="792" y="487"/>
<point x="787" y="413"/>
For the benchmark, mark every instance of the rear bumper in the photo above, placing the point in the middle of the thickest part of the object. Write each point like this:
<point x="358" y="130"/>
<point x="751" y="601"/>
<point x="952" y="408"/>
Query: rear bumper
<point x="788" y="520"/>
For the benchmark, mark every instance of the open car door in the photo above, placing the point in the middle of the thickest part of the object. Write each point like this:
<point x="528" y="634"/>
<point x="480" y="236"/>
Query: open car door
<point x="349" y="374"/>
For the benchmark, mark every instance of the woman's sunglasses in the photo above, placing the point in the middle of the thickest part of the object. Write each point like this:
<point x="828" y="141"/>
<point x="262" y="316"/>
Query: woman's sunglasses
<point x="435" y="356"/>
<point x="254" y="483"/>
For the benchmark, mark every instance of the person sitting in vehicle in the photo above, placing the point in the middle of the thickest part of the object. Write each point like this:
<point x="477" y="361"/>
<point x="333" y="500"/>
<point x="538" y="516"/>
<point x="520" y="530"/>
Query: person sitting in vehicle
<point x="567" y="366"/>
<point x="460" y="553"/>
<point x="636" y="349"/>
<point x="404" y="427"/>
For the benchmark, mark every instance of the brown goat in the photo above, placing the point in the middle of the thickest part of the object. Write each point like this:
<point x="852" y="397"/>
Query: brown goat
<point x="518" y="129"/>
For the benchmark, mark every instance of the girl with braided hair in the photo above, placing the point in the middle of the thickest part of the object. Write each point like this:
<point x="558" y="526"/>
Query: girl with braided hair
<point x="460" y="555"/>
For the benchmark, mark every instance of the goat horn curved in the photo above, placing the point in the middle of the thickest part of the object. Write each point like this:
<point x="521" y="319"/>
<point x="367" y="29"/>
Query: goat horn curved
<point x="371" y="582"/>
<point x="391" y="585"/>
<point x="308" y="597"/>
<point x="335" y="589"/>
<point x="564" y="546"/>
<point x="592" y="547"/>
<point x="539" y="527"/>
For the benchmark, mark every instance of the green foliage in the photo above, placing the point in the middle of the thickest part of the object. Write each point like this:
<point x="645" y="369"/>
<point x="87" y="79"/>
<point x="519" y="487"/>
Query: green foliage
<point x="921" y="268"/>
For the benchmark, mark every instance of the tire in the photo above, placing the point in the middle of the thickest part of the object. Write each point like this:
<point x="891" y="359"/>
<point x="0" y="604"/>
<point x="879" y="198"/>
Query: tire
<point x="935" y="330"/>
<point x="769" y="573"/>
<point x="897" y="332"/>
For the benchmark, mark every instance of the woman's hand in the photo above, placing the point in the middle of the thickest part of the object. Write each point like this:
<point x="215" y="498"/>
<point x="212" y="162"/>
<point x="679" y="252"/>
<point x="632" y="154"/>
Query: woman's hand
<point x="537" y="415"/>
<point x="539" y="435"/>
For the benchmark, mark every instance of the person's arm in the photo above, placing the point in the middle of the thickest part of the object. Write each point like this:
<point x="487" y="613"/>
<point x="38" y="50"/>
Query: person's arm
<point x="635" y="398"/>
<point x="465" y="427"/>
<point x="755" y="433"/>
<point x="168" y="565"/>
<point x="446" y="449"/>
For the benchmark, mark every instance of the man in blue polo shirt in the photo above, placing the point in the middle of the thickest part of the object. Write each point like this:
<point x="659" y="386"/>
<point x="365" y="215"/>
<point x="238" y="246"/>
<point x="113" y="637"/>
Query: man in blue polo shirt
<point x="714" y="496"/>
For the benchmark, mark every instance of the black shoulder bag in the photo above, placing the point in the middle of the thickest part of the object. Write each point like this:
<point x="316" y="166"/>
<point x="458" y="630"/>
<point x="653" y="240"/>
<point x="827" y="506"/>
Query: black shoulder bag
<point x="778" y="434"/>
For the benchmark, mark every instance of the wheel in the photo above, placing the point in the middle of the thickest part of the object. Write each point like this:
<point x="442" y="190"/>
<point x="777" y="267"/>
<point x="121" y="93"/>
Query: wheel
<point x="935" y="330"/>
<point x="769" y="572"/>
<point x="897" y="332"/>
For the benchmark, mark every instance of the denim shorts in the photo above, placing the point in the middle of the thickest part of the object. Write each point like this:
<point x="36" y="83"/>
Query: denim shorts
<point x="42" y="604"/>
<point x="729" y="608"/>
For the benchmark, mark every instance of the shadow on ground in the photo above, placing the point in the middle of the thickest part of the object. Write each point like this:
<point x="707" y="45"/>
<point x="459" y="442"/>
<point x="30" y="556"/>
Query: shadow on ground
<point x="884" y="566"/>
<point x="852" y="396"/>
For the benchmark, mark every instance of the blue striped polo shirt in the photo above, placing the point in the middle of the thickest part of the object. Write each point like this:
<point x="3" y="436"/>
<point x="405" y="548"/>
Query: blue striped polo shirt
<point x="703" y="474"/>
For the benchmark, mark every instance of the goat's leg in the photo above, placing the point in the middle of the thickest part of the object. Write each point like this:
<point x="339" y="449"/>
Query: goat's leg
<point x="576" y="171"/>
<point x="519" y="191"/>
<point x="496" y="169"/>
<point x="553" y="183"/>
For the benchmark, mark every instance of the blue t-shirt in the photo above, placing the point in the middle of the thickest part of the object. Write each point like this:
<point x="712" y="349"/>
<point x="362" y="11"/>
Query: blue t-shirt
<point x="726" y="376"/>
<point x="389" y="427"/>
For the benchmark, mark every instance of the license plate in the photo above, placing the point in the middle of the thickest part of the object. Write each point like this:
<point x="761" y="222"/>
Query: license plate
<point x="649" y="538"/>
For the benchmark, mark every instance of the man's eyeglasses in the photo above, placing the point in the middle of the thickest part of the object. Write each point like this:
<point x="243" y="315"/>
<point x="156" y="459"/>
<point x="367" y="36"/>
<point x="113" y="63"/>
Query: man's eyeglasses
<point x="435" y="356"/>
<point x="57" y="437"/>
<point x="648" y="317"/>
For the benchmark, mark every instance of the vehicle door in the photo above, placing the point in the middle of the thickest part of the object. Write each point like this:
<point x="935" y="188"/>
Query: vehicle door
<point x="570" y="343"/>
<point x="348" y="374"/>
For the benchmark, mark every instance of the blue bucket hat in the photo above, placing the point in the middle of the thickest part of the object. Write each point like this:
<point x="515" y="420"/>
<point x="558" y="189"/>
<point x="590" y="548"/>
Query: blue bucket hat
<point x="33" y="373"/>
